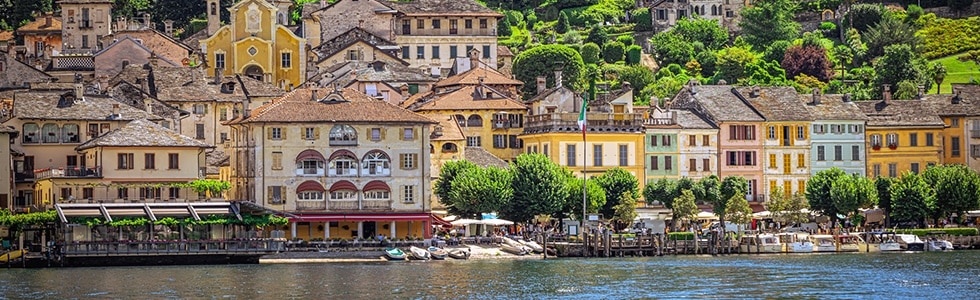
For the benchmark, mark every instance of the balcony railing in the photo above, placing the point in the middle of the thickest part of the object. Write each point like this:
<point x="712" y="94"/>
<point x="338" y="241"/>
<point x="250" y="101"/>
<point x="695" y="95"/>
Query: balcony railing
<point x="68" y="172"/>
<point x="660" y="121"/>
<point x="353" y="205"/>
<point x="311" y="205"/>
<point x="601" y="122"/>
<point x="504" y="124"/>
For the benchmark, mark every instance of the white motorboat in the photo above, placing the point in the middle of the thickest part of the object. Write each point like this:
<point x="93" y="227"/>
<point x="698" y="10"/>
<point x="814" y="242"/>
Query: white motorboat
<point x="823" y="243"/>
<point x="761" y="243"/>
<point x="934" y="244"/>
<point x="506" y="241"/>
<point x="880" y="242"/>
<point x="535" y="247"/>
<point x="418" y="253"/>
<point x="910" y="242"/>
<point x="850" y="243"/>
<point x="794" y="243"/>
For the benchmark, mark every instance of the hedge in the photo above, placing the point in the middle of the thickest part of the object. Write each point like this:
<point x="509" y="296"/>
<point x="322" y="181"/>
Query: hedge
<point x="680" y="236"/>
<point x="949" y="231"/>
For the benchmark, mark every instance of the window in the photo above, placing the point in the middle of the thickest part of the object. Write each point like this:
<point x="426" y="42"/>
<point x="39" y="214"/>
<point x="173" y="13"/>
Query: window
<point x="876" y="170"/>
<point x="219" y="61"/>
<point x="435" y="51"/>
<point x="275" y="194"/>
<point x="49" y="133"/>
<point x="376" y="164"/>
<point x="772" y="161"/>
<point x="468" y="24"/>
<point x="436" y="24"/>
<point x="406" y="27"/>
<point x="854" y="128"/>
<point x="515" y="143"/>
<point x="125" y="161"/>
<point x="666" y="140"/>
<point x="654" y="162"/>
<point x="892" y="139"/>
<point x="668" y="163"/>
<point x="741" y="132"/>
<point x="122" y="193"/>
<point x="311" y="133"/>
<point x="453" y="26"/>
<point x="408" y="134"/>
<point x="420" y="52"/>
<point x="954" y="146"/>
<point x="408" y="160"/>
<point x="408" y="194"/>
<point x="452" y="51"/>
<point x="69" y="133"/>
<point x="32" y="133"/>
<point x="838" y="153"/>
<point x="375" y="134"/>
<point x="405" y="54"/>
<point x="499" y="141"/>
<point x="286" y="59"/>
<point x="311" y="167"/>
<point x="741" y="158"/>
<point x="483" y="23"/>
<point x="623" y="155"/>
<point x="149" y="193"/>
<point x="353" y="54"/>
<point x="820" y="153"/>
<point x="343" y="135"/>
<point x="88" y="193"/>
<point x="692" y="165"/>
<point x="343" y="195"/>
<point x="817" y="128"/>
<point x="72" y="160"/>
<point x="653" y="140"/>
<point x="914" y="167"/>
<point x="800" y="160"/>
<point x="974" y="151"/>
<point x="473" y="141"/>
<point x="954" y="123"/>
<point x="149" y="161"/>
<point x="199" y="131"/>
<point x="223" y="114"/>
<point x="597" y="155"/>
<point x="570" y="155"/>
<point x="377" y="195"/>
<point x="705" y="140"/>
<point x="174" y="161"/>
<point x="913" y="139"/>
<point x="929" y="141"/>
<point x="876" y="140"/>
<point x="772" y="132"/>
<point x="275" y="133"/>
<point x="309" y="196"/>
<point x="486" y="51"/>
<point x="85" y="42"/>
<point x="855" y="152"/>
<point x="420" y="24"/>
<point x="800" y="132"/>
<point x="706" y="164"/>
<point x="545" y="151"/>
<point x="277" y="160"/>
<point x="692" y="140"/>
<point x="893" y="170"/>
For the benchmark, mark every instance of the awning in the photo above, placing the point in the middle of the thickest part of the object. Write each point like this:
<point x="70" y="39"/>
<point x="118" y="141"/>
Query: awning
<point x="310" y="185"/>
<point x="309" y="154"/>
<point x="436" y="220"/>
<point x="342" y="185"/>
<point x="376" y="185"/>
<point x="340" y="217"/>
<point x="150" y="210"/>
<point x="343" y="152"/>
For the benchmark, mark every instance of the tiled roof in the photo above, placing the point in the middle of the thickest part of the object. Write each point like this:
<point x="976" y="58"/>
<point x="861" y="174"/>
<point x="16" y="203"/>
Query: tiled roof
<point x="6" y="35"/>
<point x="158" y="43"/>
<point x="257" y="88"/>
<point x="215" y="159"/>
<point x="192" y="84"/>
<point x="142" y="133"/>
<point x="131" y="95"/>
<point x="831" y="107"/>
<point x="504" y="51"/>
<point x="150" y="52"/>
<point x="38" y="25"/>
<point x="473" y="76"/>
<point x="304" y="105"/>
<point x="44" y="105"/>
<point x="450" y="129"/>
<point x="482" y="157"/>
<point x="309" y="9"/>
<point x="687" y="119"/>
<point x="965" y="101"/>
<point x="776" y="103"/>
<point x="194" y="41"/>
<point x="441" y="8"/>
<point x="464" y="98"/>
<point x="717" y="101"/>
<point x="900" y="113"/>
<point x="387" y="73"/>
<point x="544" y="95"/>
<point x="348" y="38"/>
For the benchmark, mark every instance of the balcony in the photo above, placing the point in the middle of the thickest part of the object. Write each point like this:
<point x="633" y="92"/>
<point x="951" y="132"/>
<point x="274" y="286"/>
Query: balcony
<point x="596" y="122"/>
<point x="343" y="205"/>
<point x="68" y="172"/>
<point x="376" y="204"/>
<point x="311" y="205"/>
<point x="975" y="133"/>
<point x="499" y="124"/>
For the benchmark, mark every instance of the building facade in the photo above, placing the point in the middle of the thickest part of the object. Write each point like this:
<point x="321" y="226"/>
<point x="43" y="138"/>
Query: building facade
<point x="84" y="23"/>
<point x="786" y="140"/>
<point x="901" y="135"/>
<point x="837" y="134"/>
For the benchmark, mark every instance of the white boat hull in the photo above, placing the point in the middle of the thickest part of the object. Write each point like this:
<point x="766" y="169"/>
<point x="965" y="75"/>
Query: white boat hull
<point x="798" y="247"/>
<point x="890" y="247"/>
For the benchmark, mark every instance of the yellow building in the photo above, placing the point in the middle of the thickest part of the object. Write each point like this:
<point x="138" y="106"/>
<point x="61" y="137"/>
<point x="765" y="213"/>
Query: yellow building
<point x="961" y="115"/>
<point x="256" y="43"/>
<point x="902" y="135"/>
<point x="484" y="103"/>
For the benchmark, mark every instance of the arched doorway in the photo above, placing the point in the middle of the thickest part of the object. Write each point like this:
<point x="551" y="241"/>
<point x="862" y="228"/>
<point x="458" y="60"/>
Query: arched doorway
<point x="255" y="72"/>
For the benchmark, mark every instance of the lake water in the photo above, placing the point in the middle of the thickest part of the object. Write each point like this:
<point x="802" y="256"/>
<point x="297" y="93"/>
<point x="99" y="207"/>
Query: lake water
<point x="951" y="275"/>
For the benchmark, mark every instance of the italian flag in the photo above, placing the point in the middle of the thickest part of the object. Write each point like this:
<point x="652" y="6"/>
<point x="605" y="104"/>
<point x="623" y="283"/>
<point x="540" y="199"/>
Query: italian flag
<point x="581" y="115"/>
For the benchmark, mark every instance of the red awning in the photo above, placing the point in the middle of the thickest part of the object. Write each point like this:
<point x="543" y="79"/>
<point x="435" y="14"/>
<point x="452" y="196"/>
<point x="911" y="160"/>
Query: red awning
<point x="436" y="220"/>
<point x="342" y="185"/>
<point x="343" y="152"/>
<point x="361" y="217"/>
<point x="310" y="185"/>
<point x="309" y="154"/>
<point x="376" y="185"/>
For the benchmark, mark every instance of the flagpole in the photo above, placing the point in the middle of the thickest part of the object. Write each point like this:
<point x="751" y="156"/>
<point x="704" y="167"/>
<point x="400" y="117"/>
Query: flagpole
<point x="585" y="162"/>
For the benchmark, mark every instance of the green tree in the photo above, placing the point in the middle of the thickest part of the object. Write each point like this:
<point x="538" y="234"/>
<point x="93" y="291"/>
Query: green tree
<point x="638" y="76"/>
<point x="795" y="209"/>
<point x="590" y="53"/>
<point x="626" y="39"/>
<point x="912" y="199"/>
<point x="844" y="55"/>
<point x="732" y="188"/>
<point x="906" y="90"/>
<point x="957" y="189"/>
<point x="503" y="28"/>
<point x="732" y="63"/>
<point x="849" y="193"/>
<point x="562" y="26"/>
<point x="738" y="210"/>
<point x="864" y="15"/>
<point x="539" y="188"/>
<point x="595" y="196"/>
<point x="890" y="31"/>
<point x="213" y="188"/>
<point x="938" y="72"/>
<point x="481" y="190"/>
<point x="900" y="63"/>
<point x="768" y="21"/>
<point x="443" y="186"/>
<point x="684" y="208"/>
<point x="613" y="52"/>
<point x="659" y="191"/>
<point x="542" y="61"/>
<point x="634" y="54"/>
<point x="644" y="21"/>
<point x="884" y="184"/>
<point x="597" y="35"/>
<point x="776" y="51"/>
<point x="616" y="182"/>
<point x="711" y="190"/>
<point x="670" y="48"/>
<point x="706" y="31"/>
<point x="777" y="203"/>
<point x="819" y="192"/>
<point x="625" y="211"/>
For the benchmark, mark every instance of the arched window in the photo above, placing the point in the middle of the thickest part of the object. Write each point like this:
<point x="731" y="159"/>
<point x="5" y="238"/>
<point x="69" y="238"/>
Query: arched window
<point x="69" y="133"/>
<point x="461" y="120"/>
<point x="214" y="8"/>
<point x="376" y="163"/>
<point x="377" y="195"/>
<point x="449" y="148"/>
<point x="32" y="133"/>
<point x="49" y="133"/>
<point x="343" y="163"/>
<point x="310" y="162"/>
<point x="343" y="191"/>
<point x="344" y="135"/>
<point x="310" y="191"/>
<point x="474" y="121"/>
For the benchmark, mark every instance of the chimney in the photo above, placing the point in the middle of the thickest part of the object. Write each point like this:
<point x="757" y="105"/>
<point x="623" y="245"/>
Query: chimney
<point x="557" y="78"/>
<point x="755" y="92"/>
<point x="168" y="28"/>
<point x="154" y="60"/>
<point x="922" y="93"/>
<point x="217" y="75"/>
<point x="115" y="110"/>
<point x="79" y="91"/>
<point x="146" y="20"/>
<point x="474" y="58"/>
<point x="542" y="84"/>
<point x="816" y="96"/>
<point x="886" y="93"/>
<point x="627" y="86"/>
<point x="47" y="19"/>
<point x="404" y="91"/>
<point x="847" y="98"/>
<point x="956" y="97"/>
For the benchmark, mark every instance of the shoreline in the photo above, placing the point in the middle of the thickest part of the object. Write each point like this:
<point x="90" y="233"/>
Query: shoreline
<point x="476" y="253"/>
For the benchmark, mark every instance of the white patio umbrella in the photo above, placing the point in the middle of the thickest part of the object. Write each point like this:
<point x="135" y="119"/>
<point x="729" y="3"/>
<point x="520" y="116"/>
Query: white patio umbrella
<point x="464" y="222"/>
<point x="496" y="222"/>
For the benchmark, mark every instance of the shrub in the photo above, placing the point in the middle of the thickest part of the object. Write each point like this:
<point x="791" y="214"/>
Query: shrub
<point x="827" y="26"/>
<point x="626" y="39"/>
<point x="633" y="54"/>
<point x="949" y="231"/>
<point x="590" y="53"/>
<point x="680" y="236"/>
<point x="613" y="52"/>
<point x="945" y="37"/>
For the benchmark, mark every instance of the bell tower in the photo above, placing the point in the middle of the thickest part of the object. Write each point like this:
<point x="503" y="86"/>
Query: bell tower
<point x="214" y="16"/>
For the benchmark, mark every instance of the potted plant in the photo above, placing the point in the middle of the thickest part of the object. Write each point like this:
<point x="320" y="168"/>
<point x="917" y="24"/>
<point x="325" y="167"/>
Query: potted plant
<point x="876" y="147"/>
<point x="892" y="146"/>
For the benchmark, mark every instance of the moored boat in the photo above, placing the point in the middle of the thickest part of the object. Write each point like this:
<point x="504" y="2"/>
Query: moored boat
<point x="849" y="243"/>
<point x="395" y="254"/>
<point x="823" y="243"/>
<point x="879" y="241"/>
<point x="910" y="242"/>
<point x="418" y="253"/>
<point x="535" y="247"/>
<point x="515" y="244"/>
<point x="761" y="243"/>
<point x="935" y="244"/>
<point x="459" y="253"/>
<point x="794" y="243"/>
<point x="437" y="253"/>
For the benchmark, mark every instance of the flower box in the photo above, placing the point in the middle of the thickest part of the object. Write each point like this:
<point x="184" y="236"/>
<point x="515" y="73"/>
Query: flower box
<point x="876" y="147"/>
<point x="893" y="146"/>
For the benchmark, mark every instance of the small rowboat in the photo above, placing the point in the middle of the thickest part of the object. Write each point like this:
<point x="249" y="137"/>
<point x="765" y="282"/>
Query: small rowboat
<point x="395" y="254"/>
<point x="459" y="253"/>
<point x="419" y="253"/>
<point x="437" y="253"/>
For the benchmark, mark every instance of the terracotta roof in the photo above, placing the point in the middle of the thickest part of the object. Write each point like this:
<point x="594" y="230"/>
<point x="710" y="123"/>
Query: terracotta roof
<point x="345" y="105"/>
<point x="38" y="25"/>
<point x="504" y="51"/>
<point x="482" y="157"/>
<point x="687" y="119"/>
<point x="717" y="102"/>
<point x="450" y="128"/>
<point x="776" y="103"/>
<point x="832" y="107"/>
<point x="473" y="76"/>
<point x="158" y="43"/>
<point x="464" y="98"/>
<point x="149" y="52"/>
<point x="192" y="84"/>
<point x="344" y="40"/>
<point x="44" y="105"/>
<point x="6" y="35"/>
<point x="900" y="113"/>
<point x="142" y="133"/>
<point x="441" y="8"/>
<point x="965" y="101"/>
